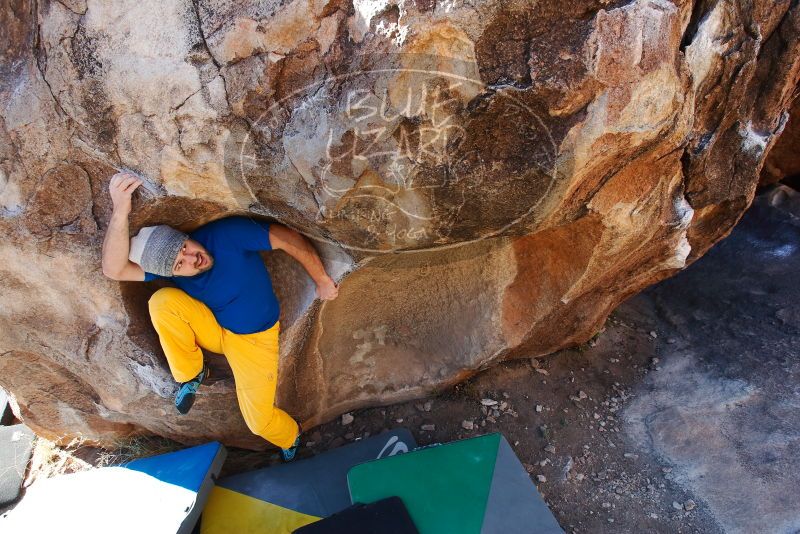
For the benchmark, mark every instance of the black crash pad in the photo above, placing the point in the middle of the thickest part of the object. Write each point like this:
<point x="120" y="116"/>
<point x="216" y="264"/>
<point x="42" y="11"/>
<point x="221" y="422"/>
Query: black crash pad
<point x="6" y="416"/>
<point x="387" y="516"/>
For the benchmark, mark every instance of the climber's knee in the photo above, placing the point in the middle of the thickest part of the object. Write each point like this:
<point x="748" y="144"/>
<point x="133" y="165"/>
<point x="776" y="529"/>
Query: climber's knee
<point x="259" y="424"/>
<point x="164" y="299"/>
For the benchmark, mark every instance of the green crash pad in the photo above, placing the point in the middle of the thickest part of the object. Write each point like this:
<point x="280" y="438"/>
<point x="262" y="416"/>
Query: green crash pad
<point x="476" y="485"/>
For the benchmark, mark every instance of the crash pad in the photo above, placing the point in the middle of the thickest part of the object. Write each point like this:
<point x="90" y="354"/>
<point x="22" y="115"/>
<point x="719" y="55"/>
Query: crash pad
<point x="163" y="493"/>
<point x="282" y="498"/>
<point x="16" y="446"/>
<point x="387" y="516"/>
<point x="476" y="485"/>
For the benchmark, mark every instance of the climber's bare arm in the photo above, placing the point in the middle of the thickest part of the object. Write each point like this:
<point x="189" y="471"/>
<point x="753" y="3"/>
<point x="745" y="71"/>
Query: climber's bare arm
<point x="301" y="249"/>
<point x="116" y="245"/>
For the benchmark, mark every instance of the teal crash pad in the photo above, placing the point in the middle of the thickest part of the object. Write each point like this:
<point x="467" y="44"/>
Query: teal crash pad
<point x="472" y="486"/>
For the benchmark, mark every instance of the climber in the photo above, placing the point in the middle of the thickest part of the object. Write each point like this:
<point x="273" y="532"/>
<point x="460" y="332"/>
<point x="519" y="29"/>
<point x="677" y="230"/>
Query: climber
<point x="223" y="302"/>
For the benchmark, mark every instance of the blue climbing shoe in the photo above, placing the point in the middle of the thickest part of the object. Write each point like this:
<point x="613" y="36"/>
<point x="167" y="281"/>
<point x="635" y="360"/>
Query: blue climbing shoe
<point x="288" y="454"/>
<point x="184" y="399"/>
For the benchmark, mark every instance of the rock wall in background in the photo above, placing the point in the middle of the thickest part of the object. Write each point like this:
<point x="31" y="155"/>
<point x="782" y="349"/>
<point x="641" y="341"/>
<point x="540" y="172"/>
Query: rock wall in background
<point x="782" y="162"/>
<point x="487" y="180"/>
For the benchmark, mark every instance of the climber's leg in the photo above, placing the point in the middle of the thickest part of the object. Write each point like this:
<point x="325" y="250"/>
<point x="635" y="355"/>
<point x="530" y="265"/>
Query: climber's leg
<point x="184" y="324"/>
<point x="254" y="361"/>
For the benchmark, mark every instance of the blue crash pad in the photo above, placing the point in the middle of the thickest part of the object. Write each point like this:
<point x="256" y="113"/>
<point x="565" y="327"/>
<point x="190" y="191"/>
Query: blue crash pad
<point x="164" y="493"/>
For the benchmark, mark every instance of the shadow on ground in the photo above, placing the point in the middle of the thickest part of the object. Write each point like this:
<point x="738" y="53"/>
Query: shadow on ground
<point x="724" y="409"/>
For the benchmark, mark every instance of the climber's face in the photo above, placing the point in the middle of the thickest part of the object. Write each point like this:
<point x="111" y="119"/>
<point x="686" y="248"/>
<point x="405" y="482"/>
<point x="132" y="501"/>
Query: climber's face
<point x="192" y="259"/>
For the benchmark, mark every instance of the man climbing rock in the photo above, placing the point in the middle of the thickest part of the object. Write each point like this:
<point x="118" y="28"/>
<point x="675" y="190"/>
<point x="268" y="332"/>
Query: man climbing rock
<point x="223" y="301"/>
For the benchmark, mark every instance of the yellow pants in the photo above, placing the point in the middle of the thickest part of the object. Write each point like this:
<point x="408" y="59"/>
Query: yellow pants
<point x="184" y="324"/>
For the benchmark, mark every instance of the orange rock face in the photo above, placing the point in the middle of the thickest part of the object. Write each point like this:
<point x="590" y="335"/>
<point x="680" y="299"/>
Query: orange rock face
<point x="486" y="182"/>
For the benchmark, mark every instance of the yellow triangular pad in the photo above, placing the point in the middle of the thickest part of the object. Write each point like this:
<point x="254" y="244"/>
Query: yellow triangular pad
<point x="230" y="511"/>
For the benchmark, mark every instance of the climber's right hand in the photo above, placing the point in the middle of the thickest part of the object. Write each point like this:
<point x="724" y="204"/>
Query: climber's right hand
<point x="121" y="187"/>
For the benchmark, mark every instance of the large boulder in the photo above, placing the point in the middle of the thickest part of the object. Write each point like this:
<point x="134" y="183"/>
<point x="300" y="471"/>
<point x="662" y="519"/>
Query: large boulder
<point x="487" y="180"/>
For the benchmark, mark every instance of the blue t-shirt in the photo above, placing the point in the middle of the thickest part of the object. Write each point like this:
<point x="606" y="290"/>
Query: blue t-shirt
<point x="237" y="288"/>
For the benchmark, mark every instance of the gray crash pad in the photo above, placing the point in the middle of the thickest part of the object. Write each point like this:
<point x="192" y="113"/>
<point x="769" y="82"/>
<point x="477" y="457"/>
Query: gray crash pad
<point x="282" y="498"/>
<point x="471" y="486"/>
<point x="16" y="446"/>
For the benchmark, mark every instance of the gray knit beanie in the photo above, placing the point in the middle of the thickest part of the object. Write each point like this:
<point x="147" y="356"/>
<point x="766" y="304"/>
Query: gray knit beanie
<point x="156" y="247"/>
